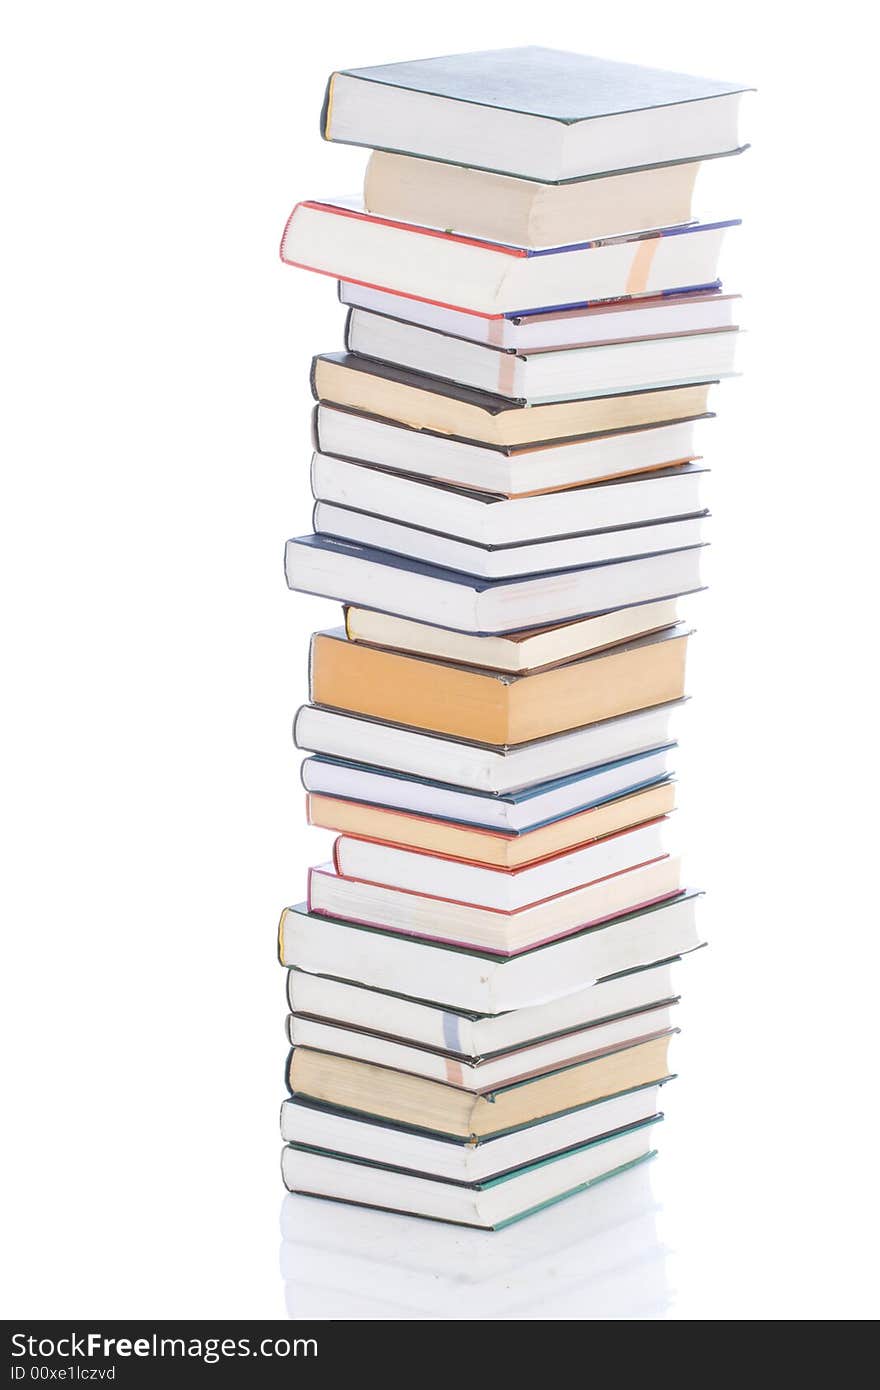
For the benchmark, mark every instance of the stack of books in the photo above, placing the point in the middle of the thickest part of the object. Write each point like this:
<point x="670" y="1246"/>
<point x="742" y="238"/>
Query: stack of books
<point x="509" y="506"/>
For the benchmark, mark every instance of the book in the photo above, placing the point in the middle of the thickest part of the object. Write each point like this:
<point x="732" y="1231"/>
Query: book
<point x="426" y="403"/>
<point x="503" y="471"/>
<point x="499" y="889"/>
<point x="539" y="113"/>
<point x="486" y="277"/>
<point x="481" y="1074"/>
<point x="523" y="212"/>
<point x="509" y="561"/>
<point x="492" y="520"/>
<point x="541" y="375"/>
<point x="345" y="571"/>
<point x="493" y="706"/>
<point x="496" y="931"/>
<point x="317" y="1126"/>
<point x="503" y="850"/>
<point x="482" y="981"/>
<point x="442" y="1108"/>
<point x="496" y="771"/>
<point x="519" y="813"/>
<point x="524" y="651"/>
<point x="490" y="1205"/>
<point x="471" y="1035"/>
<point x="705" y="309"/>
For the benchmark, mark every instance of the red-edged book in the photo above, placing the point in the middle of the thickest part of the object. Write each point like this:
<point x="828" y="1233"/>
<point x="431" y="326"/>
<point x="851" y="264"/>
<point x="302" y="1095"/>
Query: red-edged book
<point x="488" y="278"/>
<point x="495" y="931"/>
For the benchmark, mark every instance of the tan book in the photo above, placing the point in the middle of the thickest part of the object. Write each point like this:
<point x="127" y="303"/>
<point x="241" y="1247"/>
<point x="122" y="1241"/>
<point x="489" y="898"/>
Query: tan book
<point x="519" y="651"/>
<point x="394" y="393"/>
<point x="445" y="1109"/>
<point x="494" y="707"/>
<point x="522" y="212"/>
<point x="508" y="851"/>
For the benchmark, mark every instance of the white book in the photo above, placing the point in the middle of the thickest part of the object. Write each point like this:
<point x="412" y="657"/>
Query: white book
<point x="482" y="1074"/>
<point x="500" y="932"/>
<point x="345" y="571"/>
<point x="526" y="651"/>
<point x="510" y="561"/>
<point x="479" y="981"/>
<point x="322" y="1127"/>
<point x="535" y="112"/>
<point x="504" y="470"/>
<point x="544" y="374"/>
<point x="500" y="890"/>
<point x="490" y="1205"/>
<point x="479" y="766"/>
<point x="470" y="1035"/>
<point x="515" y="813"/>
<point x="341" y="240"/>
<point x="492" y="519"/>
<point x="645" y="316"/>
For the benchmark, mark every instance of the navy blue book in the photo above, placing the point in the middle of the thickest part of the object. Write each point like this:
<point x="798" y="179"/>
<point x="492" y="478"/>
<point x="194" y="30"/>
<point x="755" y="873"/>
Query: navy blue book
<point x="378" y="579"/>
<point x="536" y="113"/>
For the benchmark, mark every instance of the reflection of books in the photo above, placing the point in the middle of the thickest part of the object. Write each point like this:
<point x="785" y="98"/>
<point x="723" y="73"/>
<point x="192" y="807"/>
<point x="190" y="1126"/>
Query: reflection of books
<point x="596" y="1256"/>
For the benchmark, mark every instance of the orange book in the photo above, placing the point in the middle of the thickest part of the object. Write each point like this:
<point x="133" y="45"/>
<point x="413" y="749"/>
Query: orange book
<point x="495" y="707"/>
<point x="498" y="849"/>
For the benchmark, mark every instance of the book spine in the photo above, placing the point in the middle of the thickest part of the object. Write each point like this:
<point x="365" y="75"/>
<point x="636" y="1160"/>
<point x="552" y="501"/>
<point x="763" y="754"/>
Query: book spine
<point x="327" y="108"/>
<point x="281" y="922"/>
<point x="313" y="643"/>
<point x="314" y="471"/>
<point x="296" y="722"/>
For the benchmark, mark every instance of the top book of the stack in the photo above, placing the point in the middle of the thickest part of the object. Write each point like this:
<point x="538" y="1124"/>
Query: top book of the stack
<point x="534" y="113"/>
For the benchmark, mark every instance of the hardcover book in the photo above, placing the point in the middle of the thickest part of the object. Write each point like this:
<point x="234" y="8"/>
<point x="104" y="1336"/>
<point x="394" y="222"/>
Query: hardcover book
<point x="470" y="1035"/>
<point x="503" y="850"/>
<point x="525" y="651"/>
<point x="442" y="407"/>
<point x="316" y="1126"/>
<point x="498" y="931"/>
<point x="525" y="772"/>
<point x="518" y="813"/>
<point x="704" y="309"/>
<point x="482" y="981"/>
<point x="489" y="278"/>
<point x="489" y="1205"/>
<point x="523" y="212"/>
<point x="601" y="515"/>
<point x="493" y="707"/>
<point x="541" y="375"/>
<point x="348" y="572"/>
<point x="538" y="113"/>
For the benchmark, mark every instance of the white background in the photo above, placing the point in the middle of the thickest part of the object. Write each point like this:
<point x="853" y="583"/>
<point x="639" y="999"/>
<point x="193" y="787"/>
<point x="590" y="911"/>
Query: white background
<point x="156" y="456"/>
